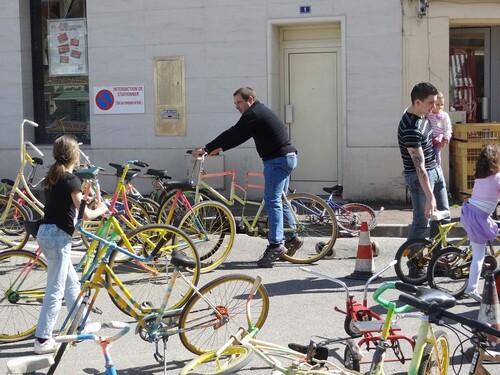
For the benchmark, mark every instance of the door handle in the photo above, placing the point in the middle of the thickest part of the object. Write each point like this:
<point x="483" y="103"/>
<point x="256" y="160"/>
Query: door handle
<point x="288" y="113"/>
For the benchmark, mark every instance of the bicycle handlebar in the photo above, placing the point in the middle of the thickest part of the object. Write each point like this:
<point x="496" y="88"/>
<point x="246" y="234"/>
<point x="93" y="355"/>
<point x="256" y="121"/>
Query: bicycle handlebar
<point x="122" y="326"/>
<point x="29" y="122"/>
<point x="389" y="304"/>
<point x="36" y="149"/>
<point x="436" y="312"/>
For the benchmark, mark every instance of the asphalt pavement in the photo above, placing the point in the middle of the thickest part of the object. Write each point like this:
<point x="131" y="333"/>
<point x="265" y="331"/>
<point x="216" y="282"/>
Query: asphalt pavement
<point x="301" y="309"/>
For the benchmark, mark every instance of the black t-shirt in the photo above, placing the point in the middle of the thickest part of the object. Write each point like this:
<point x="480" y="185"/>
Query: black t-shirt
<point x="59" y="208"/>
<point x="261" y="124"/>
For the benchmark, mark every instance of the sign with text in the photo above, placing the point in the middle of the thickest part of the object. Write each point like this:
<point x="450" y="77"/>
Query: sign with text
<point x="112" y="100"/>
<point x="67" y="47"/>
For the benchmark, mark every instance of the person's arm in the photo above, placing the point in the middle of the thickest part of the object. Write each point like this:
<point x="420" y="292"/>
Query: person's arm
<point x="417" y="156"/>
<point x="447" y="128"/>
<point x="89" y="214"/>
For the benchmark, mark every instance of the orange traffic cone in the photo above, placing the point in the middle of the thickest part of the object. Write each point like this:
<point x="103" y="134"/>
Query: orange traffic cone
<point x="489" y="311"/>
<point x="364" y="267"/>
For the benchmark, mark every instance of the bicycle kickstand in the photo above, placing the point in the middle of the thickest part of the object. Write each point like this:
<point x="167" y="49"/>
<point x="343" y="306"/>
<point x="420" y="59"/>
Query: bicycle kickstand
<point x="161" y="358"/>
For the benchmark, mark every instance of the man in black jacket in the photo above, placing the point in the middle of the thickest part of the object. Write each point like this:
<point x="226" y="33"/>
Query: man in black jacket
<point x="279" y="157"/>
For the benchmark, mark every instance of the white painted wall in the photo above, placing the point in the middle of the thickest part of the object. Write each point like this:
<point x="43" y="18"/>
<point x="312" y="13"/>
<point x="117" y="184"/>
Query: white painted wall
<point x="225" y="44"/>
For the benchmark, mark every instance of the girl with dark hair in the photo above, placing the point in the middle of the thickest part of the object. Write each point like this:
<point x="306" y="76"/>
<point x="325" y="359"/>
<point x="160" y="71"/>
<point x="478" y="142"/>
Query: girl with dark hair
<point x="476" y="214"/>
<point x="62" y="196"/>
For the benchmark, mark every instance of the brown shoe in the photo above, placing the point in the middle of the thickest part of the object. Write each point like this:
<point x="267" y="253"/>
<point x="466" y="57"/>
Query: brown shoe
<point x="293" y="244"/>
<point x="272" y="254"/>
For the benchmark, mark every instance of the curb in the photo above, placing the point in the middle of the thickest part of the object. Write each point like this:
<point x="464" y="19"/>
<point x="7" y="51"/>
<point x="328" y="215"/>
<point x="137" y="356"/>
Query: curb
<point x="397" y="230"/>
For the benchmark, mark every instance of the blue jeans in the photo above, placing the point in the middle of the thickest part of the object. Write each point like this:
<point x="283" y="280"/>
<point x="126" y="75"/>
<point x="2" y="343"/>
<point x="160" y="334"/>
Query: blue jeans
<point x="418" y="200"/>
<point x="62" y="279"/>
<point x="276" y="179"/>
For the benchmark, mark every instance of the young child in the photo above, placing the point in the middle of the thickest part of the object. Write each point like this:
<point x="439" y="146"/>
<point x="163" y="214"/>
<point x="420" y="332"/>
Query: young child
<point x="475" y="215"/>
<point x="62" y="195"/>
<point x="441" y="126"/>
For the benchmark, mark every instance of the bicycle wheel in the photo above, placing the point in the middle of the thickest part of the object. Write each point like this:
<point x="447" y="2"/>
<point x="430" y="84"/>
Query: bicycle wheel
<point x="151" y="207"/>
<point x="316" y="226"/>
<point x="147" y="281"/>
<point x="23" y="279"/>
<point x="230" y="361"/>
<point x="413" y="258"/>
<point x="435" y="359"/>
<point x="180" y="210"/>
<point x="212" y="228"/>
<point x="350" y="360"/>
<point x="202" y="331"/>
<point x="449" y="270"/>
<point x="350" y="216"/>
<point x="70" y="327"/>
<point x="14" y="237"/>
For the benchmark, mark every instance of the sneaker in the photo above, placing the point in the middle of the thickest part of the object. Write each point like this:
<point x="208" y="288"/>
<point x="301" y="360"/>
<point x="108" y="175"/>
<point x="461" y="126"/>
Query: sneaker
<point x="415" y="272"/>
<point x="271" y="255"/>
<point x="293" y="244"/>
<point x="46" y="347"/>
<point x="474" y="294"/>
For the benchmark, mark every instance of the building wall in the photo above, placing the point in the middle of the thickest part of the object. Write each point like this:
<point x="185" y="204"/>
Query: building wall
<point x="226" y="45"/>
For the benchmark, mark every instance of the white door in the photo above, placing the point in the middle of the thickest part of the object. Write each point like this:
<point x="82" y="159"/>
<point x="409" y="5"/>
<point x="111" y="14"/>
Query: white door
<point x="312" y="93"/>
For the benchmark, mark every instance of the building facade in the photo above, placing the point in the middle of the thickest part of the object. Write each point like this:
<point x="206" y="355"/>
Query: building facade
<point x="151" y="79"/>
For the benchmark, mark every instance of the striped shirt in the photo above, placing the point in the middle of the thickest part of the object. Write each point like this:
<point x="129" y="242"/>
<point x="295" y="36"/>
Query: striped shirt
<point x="414" y="132"/>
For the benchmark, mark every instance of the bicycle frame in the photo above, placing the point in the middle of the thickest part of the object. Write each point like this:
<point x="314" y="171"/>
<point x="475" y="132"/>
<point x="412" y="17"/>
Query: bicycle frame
<point x="425" y="334"/>
<point x="252" y="226"/>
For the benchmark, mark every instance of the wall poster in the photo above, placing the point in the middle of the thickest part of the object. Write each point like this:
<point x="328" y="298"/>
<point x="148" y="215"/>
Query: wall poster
<point x="67" y="43"/>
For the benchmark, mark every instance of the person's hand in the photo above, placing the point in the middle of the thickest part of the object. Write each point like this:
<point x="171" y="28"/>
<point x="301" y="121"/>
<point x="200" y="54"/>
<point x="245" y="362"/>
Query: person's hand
<point x="198" y="152"/>
<point x="217" y="151"/>
<point x="102" y="208"/>
<point x="430" y="207"/>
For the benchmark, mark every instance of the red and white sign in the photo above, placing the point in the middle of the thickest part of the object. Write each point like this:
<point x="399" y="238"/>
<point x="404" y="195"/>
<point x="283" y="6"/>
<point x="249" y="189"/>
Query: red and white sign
<point x="112" y="100"/>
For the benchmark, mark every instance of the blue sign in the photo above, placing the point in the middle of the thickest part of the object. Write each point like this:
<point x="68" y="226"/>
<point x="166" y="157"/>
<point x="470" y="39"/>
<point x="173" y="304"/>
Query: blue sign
<point x="104" y="100"/>
<point x="305" y="9"/>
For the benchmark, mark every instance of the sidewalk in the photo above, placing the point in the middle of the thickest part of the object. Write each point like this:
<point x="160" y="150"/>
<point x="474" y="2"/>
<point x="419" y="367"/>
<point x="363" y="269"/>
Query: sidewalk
<point x="394" y="220"/>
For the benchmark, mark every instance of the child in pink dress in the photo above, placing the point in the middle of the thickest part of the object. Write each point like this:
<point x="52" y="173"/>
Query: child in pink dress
<point x="476" y="214"/>
<point x="441" y="127"/>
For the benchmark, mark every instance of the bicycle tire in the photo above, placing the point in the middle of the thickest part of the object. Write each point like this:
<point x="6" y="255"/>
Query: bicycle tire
<point x="20" y="309"/>
<point x="13" y="238"/>
<point x="428" y="362"/>
<point x="146" y="281"/>
<point x="180" y="210"/>
<point x="212" y="228"/>
<point x="70" y="328"/>
<point x="151" y="206"/>
<point x="317" y="226"/>
<point x="411" y="256"/>
<point x="350" y="216"/>
<point x="229" y="293"/>
<point x="350" y="360"/>
<point x="230" y="361"/>
<point x="449" y="270"/>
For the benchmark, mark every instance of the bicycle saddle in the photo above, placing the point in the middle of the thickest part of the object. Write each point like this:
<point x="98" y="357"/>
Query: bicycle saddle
<point x="336" y="190"/>
<point x="183" y="185"/>
<point x="162" y="173"/>
<point x="181" y="260"/>
<point x="131" y="173"/>
<point x="429" y="295"/>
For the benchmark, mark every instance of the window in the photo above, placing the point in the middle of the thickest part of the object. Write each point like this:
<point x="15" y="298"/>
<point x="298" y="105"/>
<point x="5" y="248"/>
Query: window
<point x="60" y="69"/>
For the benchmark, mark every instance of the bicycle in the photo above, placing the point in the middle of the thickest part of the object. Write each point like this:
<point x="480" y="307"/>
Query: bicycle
<point x="200" y="317"/>
<point x="349" y="216"/>
<point x="210" y="224"/>
<point x="431" y="305"/>
<point x="448" y="269"/>
<point x="14" y="214"/>
<point x="23" y="274"/>
<point x="431" y="351"/>
<point x="237" y="352"/>
<point x="35" y="363"/>
<point x="413" y="256"/>
<point x="313" y="220"/>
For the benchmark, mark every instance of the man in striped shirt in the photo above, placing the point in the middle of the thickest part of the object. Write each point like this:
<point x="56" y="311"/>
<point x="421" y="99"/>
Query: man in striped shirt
<point x="422" y="174"/>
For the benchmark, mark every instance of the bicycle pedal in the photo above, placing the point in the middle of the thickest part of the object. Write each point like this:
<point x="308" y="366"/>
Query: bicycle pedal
<point x="96" y="310"/>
